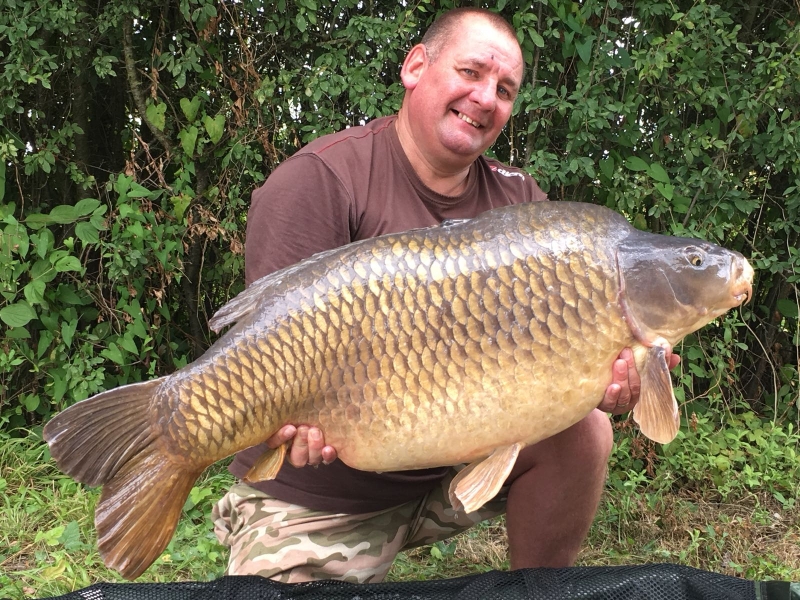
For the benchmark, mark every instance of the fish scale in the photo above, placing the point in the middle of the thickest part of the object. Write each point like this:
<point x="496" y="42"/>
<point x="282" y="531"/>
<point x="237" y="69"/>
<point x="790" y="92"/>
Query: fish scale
<point x="439" y="346"/>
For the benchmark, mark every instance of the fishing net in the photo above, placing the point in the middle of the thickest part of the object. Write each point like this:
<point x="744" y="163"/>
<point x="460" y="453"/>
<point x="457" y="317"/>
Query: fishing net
<point x="646" y="582"/>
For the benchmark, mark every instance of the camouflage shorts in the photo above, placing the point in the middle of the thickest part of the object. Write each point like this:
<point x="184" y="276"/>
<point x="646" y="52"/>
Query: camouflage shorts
<point x="291" y="543"/>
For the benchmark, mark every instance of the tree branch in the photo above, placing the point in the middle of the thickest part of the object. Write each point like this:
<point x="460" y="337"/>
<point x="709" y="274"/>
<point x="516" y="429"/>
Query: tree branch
<point x="133" y="83"/>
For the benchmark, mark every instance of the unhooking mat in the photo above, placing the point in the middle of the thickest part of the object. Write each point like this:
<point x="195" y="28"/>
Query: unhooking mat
<point x="645" y="582"/>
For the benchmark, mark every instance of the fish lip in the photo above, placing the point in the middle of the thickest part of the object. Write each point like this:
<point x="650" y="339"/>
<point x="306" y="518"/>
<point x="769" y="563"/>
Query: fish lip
<point x="743" y="286"/>
<point x="742" y="290"/>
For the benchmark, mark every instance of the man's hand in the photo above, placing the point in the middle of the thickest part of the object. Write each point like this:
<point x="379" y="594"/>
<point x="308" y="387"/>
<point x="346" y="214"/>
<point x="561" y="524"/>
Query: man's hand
<point x="622" y="394"/>
<point x="308" y="445"/>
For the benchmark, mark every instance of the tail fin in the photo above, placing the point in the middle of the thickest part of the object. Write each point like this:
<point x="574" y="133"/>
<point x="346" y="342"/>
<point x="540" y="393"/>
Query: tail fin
<point x="108" y="440"/>
<point x="139" y="510"/>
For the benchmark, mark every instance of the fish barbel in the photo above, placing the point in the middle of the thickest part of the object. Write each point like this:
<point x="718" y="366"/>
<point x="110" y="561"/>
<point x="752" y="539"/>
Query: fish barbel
<point x="460" y="343"/>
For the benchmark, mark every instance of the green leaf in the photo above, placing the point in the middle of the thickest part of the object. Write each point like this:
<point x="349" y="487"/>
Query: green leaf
<point x="128" y="344"/>
<point x="2" y="179"/>
<point x="87" y="233"/>
<point x="18" y="314"/>
<point x="98" y="221"/>
<point x="86" y="206"/>
<point x="37" y="220"/>
<point x="34" y="291"/>
<point x="607" y="167"/>
<point x="657" y="172"/>
<point x="214" y="127"/>
<point x="624" y="58"/>
<point x="45" y="339"/>
<point x="787" y="308"/>
<point x="537" y="39"/>
<point x="190" y="107"/>
<point x="634" y="163"/>
<point x="43" y="241"/>
<point x="68" y="331"/>
<point x="15" y="238"/>
<point x="666" y="189"/>
<point x="300" y="21"/>
<point x="155" y="113"/>
<point x="680" y="204"/>
<point x="68" y="263"/>
<point x="138" y="191"/>
<point x="180" y="204"/>
<point x="17" y="333"/>
<point x="67" y="295"/>
<point x="64" y="214"/>
<point x="188" y="138"/>
<point x="113" y="353"/>
<point x="59" y="384"/>
<point x="31" y="402"/>
<point x="71" y="538"/>
<point x="585" y="50"/>
<point x="42" y="269"/>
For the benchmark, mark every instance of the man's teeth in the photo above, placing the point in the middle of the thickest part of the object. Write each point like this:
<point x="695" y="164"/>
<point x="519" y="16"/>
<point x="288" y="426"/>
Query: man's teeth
<point x="466" y="119"/>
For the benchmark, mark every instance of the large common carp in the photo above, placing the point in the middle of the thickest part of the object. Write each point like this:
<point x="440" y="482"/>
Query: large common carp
<point x="439" y="346"/>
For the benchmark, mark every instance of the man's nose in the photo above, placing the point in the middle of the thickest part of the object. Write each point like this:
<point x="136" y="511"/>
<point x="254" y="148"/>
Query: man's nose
<point x="485" y="94"/>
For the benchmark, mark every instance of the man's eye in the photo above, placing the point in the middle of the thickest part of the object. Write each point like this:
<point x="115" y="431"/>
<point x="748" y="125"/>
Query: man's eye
<point x="470" y="72"/>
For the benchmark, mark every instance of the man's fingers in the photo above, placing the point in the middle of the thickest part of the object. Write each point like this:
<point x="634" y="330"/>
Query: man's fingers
<point x="609" y="402"/>
<point x="315" y="444"/>
<point x="298" y="453"/>
<point x="621" y="376"/>
<point x="283" y="435"/>
<point x="328" y="454"/>
<point x="308" y="445"/>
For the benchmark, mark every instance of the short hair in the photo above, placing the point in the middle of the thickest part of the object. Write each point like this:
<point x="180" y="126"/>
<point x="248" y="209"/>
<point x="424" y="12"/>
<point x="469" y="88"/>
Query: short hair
<point x="443" y="28"/>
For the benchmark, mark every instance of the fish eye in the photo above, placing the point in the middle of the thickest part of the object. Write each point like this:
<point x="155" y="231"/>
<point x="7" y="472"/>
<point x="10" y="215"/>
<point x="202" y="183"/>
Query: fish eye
<point x="695" y="257"/>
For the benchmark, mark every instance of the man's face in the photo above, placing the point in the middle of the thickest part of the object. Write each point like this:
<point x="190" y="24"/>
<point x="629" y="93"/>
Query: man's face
<point x="461" y="101"/>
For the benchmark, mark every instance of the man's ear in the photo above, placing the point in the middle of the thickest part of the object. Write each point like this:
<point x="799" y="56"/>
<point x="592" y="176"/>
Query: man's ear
<point x="414" y="66"/>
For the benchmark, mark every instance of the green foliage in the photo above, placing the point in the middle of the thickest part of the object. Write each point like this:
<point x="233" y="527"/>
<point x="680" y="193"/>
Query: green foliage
<point x="730" y="458"/>
<point x="48" y="543"/>
<point x="127" y="158"/>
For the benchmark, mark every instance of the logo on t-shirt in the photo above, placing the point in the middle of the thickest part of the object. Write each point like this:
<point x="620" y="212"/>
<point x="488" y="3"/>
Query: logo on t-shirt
<point x="506" y="172"/>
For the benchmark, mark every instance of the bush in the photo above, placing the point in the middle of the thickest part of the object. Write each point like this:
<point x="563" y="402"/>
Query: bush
<point x="127" y="157"/>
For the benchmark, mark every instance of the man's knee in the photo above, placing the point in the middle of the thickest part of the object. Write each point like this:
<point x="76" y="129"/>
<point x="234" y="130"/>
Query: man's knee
<point x="595" y="436"/>
<point x="583" y="450"/>
<point x="584" y="447"/>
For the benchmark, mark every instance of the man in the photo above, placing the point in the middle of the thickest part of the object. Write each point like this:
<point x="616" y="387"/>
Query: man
<point x="396" y="173"/>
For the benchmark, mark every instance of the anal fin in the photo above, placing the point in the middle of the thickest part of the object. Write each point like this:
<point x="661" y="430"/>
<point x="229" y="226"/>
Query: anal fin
<point x="479" y="482"/>
<point x="267" y="465"/>
<point x="657" y="410"/>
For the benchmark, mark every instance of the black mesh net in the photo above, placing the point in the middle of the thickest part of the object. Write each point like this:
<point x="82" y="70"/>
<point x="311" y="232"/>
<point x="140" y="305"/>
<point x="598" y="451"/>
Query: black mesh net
<point x="646" y="582"/>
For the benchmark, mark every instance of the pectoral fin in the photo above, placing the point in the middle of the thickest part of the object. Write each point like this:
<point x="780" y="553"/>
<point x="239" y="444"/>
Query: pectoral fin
<point x="480" y="481"/>
<point x="267" y="465"/>
<point x="657" y="410"/>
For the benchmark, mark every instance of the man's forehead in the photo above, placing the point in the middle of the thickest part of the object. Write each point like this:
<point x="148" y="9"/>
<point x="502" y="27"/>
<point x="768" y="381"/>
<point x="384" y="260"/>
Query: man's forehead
<point x="486" y="59"/>
<point x="493" y="39"/>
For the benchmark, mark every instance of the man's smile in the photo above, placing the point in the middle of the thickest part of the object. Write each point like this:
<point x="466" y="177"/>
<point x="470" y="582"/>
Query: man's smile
<point x="466" y="119"/>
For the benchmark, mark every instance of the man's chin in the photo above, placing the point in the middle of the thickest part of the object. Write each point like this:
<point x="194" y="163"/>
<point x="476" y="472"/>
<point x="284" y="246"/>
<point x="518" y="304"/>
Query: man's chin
<point x="467" y="147"/>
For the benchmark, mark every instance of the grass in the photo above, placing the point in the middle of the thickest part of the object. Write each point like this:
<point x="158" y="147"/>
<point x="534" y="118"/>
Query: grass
<point x="47" y="544"/>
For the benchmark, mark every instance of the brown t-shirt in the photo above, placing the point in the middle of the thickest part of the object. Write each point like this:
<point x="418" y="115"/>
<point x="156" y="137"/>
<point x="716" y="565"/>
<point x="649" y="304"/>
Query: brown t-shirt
<point x="340" y="188"/>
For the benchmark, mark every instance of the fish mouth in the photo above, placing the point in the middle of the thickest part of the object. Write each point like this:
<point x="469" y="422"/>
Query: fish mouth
<point x="744" y="295"/>
<point x="742" y="291"/>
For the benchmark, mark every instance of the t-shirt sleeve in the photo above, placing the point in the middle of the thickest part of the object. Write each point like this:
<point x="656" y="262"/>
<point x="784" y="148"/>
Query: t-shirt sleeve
<point x="300" y="210"/>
